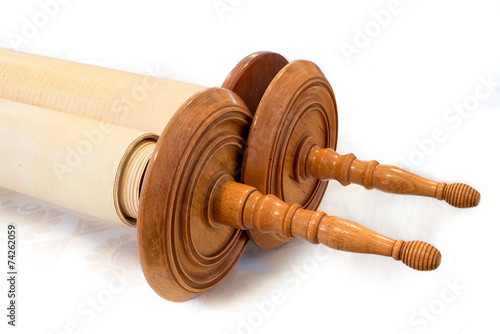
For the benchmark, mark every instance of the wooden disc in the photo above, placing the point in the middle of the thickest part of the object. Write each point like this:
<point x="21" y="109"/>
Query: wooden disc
<point x="183" y="252"/>
<point x="253" y="74"/>
<point x="297" y="111"/>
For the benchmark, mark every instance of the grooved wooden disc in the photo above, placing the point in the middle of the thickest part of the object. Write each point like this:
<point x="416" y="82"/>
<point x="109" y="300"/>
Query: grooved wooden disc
<point x="297" y="110"/>
<point x="253" y="74"/>
<point x="183" y="252"/>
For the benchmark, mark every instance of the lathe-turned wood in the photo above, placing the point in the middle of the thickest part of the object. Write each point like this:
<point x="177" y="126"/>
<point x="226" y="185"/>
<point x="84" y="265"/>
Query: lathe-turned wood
<point x="244" y="207"/>
<point x="183" y="252"/>
<point x="291" y="150"/>
<point x="326" y="164"/>
<point x="147" y="103"/>
<point x="252" y="75"/>
<point x="192" y="213"/>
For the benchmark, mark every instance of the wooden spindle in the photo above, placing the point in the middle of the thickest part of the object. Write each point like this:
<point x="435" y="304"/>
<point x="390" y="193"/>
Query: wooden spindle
<point x="190" y="213"/>
<point x="290" y="151"/>
<point x="326" y="164"/>
<point x="193" y="210"/>
<point x="244" y="207"/>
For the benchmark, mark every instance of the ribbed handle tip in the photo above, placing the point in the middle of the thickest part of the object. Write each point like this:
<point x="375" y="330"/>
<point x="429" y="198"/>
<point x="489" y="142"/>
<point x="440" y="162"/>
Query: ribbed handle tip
<point x="461" y="195"/>
<point x="418" y="255"/>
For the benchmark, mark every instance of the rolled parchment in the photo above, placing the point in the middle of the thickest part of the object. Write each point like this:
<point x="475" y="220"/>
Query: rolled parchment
<point x="83" y="164"/>
<point x="126" y="99"/>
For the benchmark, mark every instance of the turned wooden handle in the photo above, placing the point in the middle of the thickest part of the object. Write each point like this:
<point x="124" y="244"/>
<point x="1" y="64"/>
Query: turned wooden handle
<point x="326" y="164"/>
<point x="244" y="207"/>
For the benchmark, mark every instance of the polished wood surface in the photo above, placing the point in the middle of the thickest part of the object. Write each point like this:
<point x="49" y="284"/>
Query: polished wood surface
<point x="252" y="75"/>
<point x="244" y="207"/>
<point x="326" y="164"/>
<point x="297" y="111"/>
<point x="193" y="212"/>
<point x="183" y="253"/>
<point x="291" y="150"/>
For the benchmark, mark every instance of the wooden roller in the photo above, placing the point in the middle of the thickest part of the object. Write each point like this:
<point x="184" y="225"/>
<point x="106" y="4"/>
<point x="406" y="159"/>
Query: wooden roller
<point x="295" y="116"/>
<point x="291" y="148"/>
<point x="192" y="211"/>
<point x="297" y="96"/>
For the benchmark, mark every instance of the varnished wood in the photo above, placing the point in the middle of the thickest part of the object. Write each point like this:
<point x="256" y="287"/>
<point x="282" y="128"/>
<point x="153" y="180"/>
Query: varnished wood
<point x="244" y="207"/>
<point x="326" y="164"/>
<point x="183" y="252"/>
<point x="252" y="75"/>
<point x="291" y="150"/>
<point x="297" y="111"/>
<point x="42" y="81"/>
<point x="192" y="212"/>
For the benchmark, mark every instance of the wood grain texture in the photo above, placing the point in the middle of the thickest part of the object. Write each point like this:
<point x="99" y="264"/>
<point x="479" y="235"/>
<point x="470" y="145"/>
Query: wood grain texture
<point x="252" y="75"/>
<point x="183" y="252"/>
<point x="244" y="207"/>
<point x="297" y="111"/>
<point x="192" y="213"/>
<point x="326" y="164"/>
<point x="291" y="150"/>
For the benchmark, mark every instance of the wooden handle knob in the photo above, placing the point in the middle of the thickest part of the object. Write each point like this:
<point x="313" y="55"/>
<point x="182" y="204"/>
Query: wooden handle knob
<point x="244" y="207"/>
<point x="460" y="195"/>
<point x="326" y="164"/>
<point x="418" y="255"/>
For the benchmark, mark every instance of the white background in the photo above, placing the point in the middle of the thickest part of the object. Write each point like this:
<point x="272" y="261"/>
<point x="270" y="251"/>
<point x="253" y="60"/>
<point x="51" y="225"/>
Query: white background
<point x="392" y="93"/>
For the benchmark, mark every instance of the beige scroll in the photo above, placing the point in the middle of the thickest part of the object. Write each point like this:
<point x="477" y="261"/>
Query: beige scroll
<point x="126" y="99"/>
<point x="90" y="166"/>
